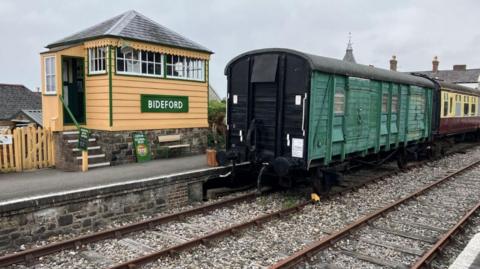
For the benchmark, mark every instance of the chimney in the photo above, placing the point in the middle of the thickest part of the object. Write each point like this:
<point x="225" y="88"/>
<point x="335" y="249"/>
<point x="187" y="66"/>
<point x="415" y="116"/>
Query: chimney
<point x="393" y="63"/>
<point x="435" y="63"/>
<point x="460" y="67"/>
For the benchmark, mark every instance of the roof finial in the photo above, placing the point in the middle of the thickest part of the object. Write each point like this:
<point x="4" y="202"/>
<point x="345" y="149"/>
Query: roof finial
<point x="349" y="45"/>
<point x="349" y="52"/>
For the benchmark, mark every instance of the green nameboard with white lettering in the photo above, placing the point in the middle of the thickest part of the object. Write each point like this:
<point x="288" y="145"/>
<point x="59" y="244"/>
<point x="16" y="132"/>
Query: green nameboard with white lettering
<point x="163" y="103"/>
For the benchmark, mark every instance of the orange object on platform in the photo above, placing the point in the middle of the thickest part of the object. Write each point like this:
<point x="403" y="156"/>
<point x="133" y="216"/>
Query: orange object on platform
<point x="211" y="158"/>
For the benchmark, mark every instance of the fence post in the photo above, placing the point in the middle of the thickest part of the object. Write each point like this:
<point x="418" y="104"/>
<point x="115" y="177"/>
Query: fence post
<point x="18" y="149"/>
<point x="11" y="152"/>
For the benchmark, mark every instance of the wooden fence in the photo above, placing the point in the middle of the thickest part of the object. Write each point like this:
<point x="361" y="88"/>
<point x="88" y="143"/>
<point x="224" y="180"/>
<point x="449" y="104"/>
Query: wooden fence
<point x="32" y="148"/>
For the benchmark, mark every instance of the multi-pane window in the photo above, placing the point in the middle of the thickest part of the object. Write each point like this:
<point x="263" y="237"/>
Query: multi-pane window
<point x="445" y="104"/>
<point x="384" y="103"/>
<point x="97" y="60"/>
<point x="458" y="105"/>
<point x="450" y="104"/>
<point x="473" y="108"/>
<point x="185" y="67"/>
<point x="465" y="105"/>
<point x="394" y="103"/>
<point x="139" y="62"/>
<point x="339" y="102"/>
<point x="50" y="85"/>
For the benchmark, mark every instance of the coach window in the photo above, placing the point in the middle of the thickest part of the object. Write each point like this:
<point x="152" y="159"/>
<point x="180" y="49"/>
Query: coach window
<point x="458" y="105"/>
<point x="465" y="105"/>
<point x="339" y="102"/>
<point x="473" y="107"/>
<point x="384" y="103"/>
<point x="445" y="104"/>
<point x="450" y="104"/>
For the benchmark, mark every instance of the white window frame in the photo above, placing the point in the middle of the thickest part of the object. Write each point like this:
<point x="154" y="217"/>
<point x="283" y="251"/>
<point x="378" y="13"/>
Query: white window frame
<point x="187" y="67"/>
<point x="97" y="60"/>
<point x="140" y="62"/>
<point x="50" y="88"/>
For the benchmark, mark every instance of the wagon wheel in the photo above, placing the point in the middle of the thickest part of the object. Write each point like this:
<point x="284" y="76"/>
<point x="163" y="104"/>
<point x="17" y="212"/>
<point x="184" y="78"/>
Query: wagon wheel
<point x="402" y="160"/>
<point x="436" y="152"/>
<point x="321" y="182"/>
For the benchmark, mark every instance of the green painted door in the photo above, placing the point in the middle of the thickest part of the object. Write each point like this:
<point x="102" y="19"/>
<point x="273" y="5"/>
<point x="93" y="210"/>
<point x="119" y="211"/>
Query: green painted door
<point x="73" y="89"/>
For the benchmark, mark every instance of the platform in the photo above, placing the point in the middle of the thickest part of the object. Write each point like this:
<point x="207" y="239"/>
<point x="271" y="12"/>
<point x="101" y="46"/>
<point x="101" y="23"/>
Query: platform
<point x="45" y="182"/>
<point x="470" y="256"/>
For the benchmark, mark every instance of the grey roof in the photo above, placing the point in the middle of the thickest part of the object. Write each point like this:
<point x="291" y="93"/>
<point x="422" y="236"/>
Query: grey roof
<point x="455" y="76"/>
<point x="212" y="94"/>
<point x="14" y="98"/>
<point x="34" y="114"/>
<point x="132" y="25"/>
<point x="334" y="66"/>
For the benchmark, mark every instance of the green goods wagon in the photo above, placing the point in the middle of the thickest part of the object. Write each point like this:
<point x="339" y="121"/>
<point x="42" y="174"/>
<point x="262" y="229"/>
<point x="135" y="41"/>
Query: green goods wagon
<point x="293" y="111"/>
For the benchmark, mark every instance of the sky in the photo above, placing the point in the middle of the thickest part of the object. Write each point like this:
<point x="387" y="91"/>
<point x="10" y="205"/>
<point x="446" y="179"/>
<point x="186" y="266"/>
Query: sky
<point x="414" y="31"/>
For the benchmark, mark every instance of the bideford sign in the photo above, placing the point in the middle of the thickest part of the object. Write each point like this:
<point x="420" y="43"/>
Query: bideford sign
<point x="163" y="103"/>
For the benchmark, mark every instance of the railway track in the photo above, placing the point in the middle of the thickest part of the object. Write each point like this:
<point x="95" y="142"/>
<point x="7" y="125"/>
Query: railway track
<point x="407" y="233"/>
<point x="172" y="234"/>
<point x="130" y="236"/>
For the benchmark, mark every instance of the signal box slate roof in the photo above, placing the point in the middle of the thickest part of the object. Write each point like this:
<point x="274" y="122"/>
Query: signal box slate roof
<point x="131" y="25"/>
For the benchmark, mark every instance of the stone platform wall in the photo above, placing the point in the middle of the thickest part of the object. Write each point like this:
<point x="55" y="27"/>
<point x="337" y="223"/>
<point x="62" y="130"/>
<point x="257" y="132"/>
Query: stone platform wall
<point x="39" y="218"/>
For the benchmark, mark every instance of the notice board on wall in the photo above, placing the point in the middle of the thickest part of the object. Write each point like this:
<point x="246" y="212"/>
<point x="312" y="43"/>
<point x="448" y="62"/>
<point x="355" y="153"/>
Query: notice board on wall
<point x="142" y="151"/>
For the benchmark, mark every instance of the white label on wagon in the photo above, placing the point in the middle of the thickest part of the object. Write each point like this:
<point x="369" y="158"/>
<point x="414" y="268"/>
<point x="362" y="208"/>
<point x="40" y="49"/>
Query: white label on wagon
<point x="297" y="147"/>
<point x="6" y="139"/>
<point x="235" y="98"/>
<point x="298" y="100"/>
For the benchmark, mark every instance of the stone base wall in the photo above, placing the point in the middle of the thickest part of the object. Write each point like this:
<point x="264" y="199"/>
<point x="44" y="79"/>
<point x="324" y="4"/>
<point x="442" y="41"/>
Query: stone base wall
<point x="64" y="158"/>
<point x="118" y="146"/>
<point x="29" y="221"/>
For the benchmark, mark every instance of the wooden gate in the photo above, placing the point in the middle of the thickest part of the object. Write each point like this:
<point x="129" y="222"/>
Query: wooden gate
<point x="32" y="148"/>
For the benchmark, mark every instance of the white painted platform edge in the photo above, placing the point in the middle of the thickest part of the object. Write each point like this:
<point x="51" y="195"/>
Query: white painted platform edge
<point x="468" y="255"/>
<point x="13" y="201"/>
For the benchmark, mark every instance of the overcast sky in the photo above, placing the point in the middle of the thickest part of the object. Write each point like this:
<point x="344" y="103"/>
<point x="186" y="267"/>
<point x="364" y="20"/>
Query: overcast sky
<point x="414" y="31"/>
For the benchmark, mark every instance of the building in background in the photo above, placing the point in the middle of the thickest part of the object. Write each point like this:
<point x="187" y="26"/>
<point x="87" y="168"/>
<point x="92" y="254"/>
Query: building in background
<point x="459" y="74"/>
<point x="126" y="75"/>
<point x="212" y="94"/>
<point x="348" y="57"/>
<point x="14" y="99"/>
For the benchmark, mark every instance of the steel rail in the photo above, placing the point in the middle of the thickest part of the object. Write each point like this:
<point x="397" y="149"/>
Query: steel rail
<point x="430" y="254"/>
<point x="134" y="263"/>
<point x="325" y="242"/>
<point x="28" y="256"/>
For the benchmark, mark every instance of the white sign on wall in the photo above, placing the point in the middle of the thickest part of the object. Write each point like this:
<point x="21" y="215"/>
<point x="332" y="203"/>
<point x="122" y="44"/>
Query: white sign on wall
<point x="6" y="139"/>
